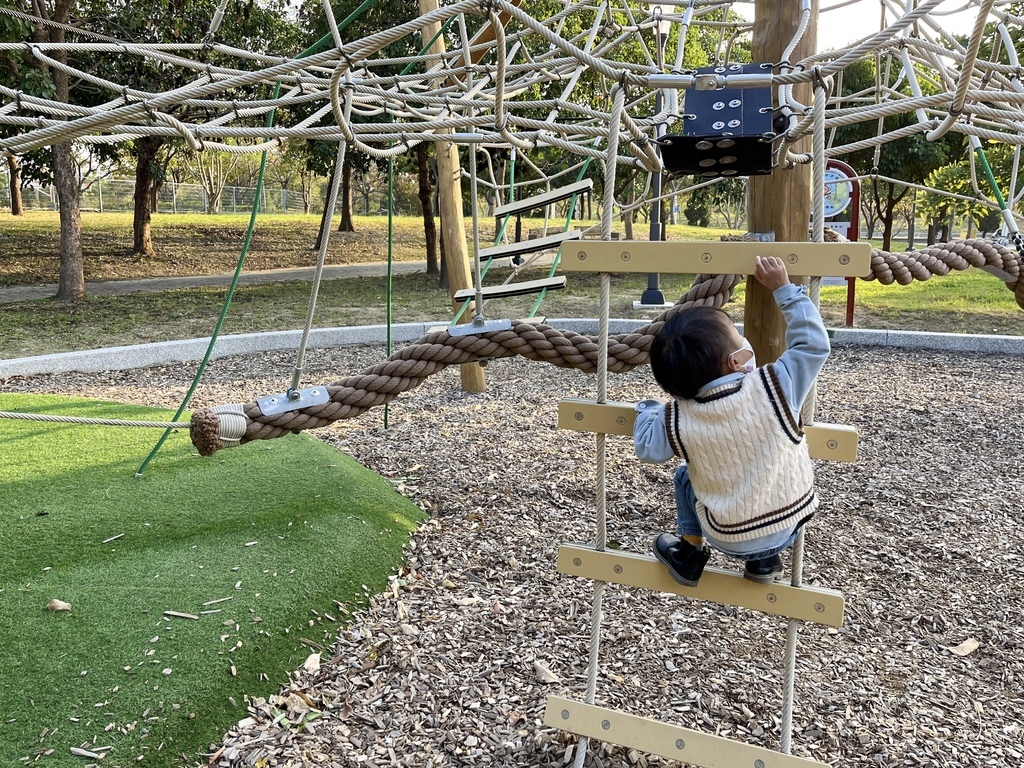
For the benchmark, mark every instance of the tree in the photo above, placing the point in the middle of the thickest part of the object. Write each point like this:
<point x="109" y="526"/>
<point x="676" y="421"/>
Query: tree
<point x="909" y="159"/>
<point x="71" y="279"/>
<point x="956" y="178"/>
<point x="16" y="72"/>
<point x="727" y="197"/>
<point x="253" y="26"/>
<point x="212" y="168"/>
<point x="426" y="198"/>
<point x="14" y="185"/>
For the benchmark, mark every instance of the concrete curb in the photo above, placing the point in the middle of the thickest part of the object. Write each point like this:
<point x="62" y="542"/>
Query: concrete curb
<point x="164" y="352"/>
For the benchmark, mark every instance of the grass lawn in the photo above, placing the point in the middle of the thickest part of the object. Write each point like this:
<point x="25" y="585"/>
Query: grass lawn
<point x="963" y="302"/>
<point x="270" y="547"/>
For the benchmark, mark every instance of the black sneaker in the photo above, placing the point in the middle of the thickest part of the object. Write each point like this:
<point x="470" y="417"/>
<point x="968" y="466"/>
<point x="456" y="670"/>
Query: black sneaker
<point x="763" y="571"/>
<point x="684" y="561"/>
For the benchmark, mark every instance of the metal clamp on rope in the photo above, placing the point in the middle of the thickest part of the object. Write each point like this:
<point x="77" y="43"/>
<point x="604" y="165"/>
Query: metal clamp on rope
<point x="233" y="423"/>
<point x="293" y="400"/>
<point x="479" y="325"/>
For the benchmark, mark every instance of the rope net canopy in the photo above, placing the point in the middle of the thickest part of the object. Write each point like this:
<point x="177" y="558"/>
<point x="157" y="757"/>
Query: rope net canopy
<point x="514" y="79"/>
<point x="581" y="77"/>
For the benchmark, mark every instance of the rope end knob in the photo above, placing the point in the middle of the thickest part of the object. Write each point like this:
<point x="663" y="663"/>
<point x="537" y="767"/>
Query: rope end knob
<point x="222" y="426"/>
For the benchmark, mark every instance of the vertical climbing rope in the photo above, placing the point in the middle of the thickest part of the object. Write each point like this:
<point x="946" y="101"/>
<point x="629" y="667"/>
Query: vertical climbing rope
<point x="601" y="534"/>
<point x="806" y="411"/>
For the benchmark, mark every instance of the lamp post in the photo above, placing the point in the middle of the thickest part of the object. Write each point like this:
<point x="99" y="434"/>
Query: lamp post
<point x="653" y="295"/>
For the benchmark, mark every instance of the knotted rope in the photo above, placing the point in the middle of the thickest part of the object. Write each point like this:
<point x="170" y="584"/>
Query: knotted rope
<point x="412" y="365"/>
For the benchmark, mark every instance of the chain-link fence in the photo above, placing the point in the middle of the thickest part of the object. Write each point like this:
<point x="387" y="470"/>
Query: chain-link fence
<point x="112" y="195"/>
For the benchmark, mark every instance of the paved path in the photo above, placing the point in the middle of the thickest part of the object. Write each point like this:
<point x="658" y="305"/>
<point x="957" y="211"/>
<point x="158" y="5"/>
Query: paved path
<point x="153" y="284"/>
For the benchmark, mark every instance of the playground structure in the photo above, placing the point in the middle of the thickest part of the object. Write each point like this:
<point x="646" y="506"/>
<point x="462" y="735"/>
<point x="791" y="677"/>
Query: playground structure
<point x="482" y="95"/>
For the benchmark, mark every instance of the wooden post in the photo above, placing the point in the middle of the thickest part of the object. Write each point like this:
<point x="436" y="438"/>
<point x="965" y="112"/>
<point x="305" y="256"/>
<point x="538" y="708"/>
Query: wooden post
<point x="780" y="203"/>
<point x="449" y="186"/>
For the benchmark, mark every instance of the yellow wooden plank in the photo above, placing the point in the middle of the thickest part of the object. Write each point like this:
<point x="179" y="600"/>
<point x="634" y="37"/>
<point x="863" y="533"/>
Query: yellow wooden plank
<point x="821" y="606"/>
<point x="715" y="258"/>
<point x="588" y="416"/>
<point x="669" y="741"/>
<point x="830" y="442"/>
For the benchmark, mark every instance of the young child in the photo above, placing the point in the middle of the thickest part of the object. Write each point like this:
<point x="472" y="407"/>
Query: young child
<point x="747" y="484"/>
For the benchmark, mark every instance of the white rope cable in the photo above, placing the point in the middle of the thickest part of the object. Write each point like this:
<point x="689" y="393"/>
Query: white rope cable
<point x="960" y="98"/>
<point x="326" y="227"/>
<point x="807" y="413"/>
<point x="86" y="420"/>
<point x="601" y="533"/>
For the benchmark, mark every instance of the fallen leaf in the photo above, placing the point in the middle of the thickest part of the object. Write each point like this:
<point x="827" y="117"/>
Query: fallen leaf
<point x="968" y="646"/>
<point x="58" y="605"/>
<point x="544" y="674"/>
<point x="312" y="663"/>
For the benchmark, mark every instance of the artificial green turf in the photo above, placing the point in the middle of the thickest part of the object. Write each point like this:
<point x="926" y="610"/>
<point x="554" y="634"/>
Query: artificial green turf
<point x="281" y="527"/>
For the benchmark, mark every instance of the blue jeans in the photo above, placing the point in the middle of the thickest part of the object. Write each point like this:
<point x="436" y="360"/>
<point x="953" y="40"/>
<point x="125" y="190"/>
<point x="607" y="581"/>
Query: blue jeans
<point x="688" y="524"/>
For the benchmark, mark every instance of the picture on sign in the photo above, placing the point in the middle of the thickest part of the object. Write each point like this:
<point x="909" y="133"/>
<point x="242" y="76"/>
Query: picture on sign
<point x="838" y="192"/>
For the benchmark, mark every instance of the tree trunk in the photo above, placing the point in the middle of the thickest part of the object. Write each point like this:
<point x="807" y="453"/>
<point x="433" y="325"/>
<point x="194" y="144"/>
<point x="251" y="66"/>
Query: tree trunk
<point x="442" y="277"/>
<point x="154" y="197"/>
<point x="14" y="178"/>
<point x="887" y="231"/>
<point x="346" y="199"/>
<point x="449" y="182"/>
<point x="775" y="22"/>
<point x="426" y="195"/>
<point x="142" y="234"/>
<point x="71" y="283"/>
<point x="327" y="215"/>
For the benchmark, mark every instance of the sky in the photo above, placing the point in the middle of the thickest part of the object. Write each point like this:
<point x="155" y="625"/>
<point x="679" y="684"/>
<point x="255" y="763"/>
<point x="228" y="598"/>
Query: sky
<point x="845" y="25"/>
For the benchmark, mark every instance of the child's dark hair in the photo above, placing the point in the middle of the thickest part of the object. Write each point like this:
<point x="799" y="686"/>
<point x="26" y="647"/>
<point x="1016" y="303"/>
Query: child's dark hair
<point x="691" y="350"/>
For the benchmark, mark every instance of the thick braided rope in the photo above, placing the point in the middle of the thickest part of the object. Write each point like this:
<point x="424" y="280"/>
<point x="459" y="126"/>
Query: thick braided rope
<point x="410" y="366"/>
<point x="942" y="258"/>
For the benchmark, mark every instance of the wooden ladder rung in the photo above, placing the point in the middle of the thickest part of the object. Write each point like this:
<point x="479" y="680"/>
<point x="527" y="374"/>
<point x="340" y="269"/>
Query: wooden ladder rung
<point x="544" y="198"/>
<point x="829" y="442"/>
<point x="821" y="606"/>
<point x="669" y="741"/>
<point x="513" y="289"/>
<point x="529" y="246"/>
<point x="713" y="257"/>
<point x="716" y="586"/>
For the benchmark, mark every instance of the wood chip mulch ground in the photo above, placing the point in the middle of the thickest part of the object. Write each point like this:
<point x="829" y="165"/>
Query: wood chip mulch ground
<point x="452" y="664"/>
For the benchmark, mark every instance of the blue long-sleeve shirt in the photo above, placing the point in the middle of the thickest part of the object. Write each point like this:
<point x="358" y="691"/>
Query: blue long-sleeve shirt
<point x="807" y="348"/>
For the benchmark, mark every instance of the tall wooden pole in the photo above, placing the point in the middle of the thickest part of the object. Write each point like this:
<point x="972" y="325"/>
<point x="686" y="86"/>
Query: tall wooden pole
<point x="780" y="203"/>
<point x="449" y="187"/>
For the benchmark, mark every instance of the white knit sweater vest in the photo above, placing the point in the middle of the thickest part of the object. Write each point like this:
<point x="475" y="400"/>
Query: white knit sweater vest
<point x="746" y="456"/>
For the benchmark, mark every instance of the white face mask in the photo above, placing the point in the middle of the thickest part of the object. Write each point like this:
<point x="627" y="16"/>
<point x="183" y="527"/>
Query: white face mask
<point x="751" y="364"/>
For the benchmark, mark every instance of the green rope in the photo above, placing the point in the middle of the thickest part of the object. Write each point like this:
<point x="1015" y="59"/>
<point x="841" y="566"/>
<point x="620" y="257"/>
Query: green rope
<point x="250" y="230"/>
<point x="989" y="175"/>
